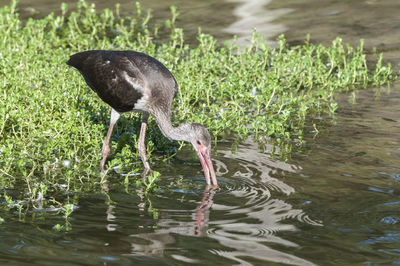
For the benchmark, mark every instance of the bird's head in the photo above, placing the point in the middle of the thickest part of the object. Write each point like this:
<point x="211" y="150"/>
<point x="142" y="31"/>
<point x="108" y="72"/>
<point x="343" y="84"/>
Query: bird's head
<point x="201" y="141"/>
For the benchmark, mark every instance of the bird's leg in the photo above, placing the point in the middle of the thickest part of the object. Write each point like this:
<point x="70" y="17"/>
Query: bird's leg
<point x="142" y="146"/>
<point x="106" y="147"/>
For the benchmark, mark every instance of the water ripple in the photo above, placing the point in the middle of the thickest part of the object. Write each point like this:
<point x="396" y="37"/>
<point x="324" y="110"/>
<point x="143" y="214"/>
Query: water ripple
<point x="253" y="165"/>
<point x="243" y="215"/>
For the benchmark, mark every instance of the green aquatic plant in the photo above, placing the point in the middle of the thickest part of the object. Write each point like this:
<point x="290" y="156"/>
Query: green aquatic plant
<point x="52" y="125"/>
<point x="149" y="182"/>
<point x="67" y="209"/>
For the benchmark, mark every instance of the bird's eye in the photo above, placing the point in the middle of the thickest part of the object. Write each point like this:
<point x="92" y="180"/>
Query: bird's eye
<point x="198" y="142"/>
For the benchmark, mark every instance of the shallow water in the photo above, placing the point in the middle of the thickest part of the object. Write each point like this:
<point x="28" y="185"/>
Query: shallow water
<point x="375" y="21"/>
<point x="335" y="203"/>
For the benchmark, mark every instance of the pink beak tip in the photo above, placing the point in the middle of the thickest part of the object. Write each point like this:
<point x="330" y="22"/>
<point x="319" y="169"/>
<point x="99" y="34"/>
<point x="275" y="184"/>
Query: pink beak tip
<point x="208" y="168"/>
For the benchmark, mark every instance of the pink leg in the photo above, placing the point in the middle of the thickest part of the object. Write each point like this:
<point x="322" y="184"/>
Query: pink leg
<point x="106" y="147"/>
<point x="142" y="146"/>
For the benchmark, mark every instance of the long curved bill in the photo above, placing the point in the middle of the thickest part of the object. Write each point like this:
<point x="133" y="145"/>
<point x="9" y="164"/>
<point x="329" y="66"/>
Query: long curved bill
<point x="205" y="159"/>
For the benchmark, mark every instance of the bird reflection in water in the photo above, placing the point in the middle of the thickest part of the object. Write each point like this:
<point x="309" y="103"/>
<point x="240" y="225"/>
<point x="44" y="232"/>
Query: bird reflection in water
<point x="203" y="211"/>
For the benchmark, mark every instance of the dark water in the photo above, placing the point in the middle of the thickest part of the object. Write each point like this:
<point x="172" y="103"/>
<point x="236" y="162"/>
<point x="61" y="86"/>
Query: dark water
<point x="335" y="203"/>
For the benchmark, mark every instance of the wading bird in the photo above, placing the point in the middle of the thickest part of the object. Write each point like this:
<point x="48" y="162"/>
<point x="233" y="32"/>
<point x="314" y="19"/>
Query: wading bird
<point x="133" y="81"/>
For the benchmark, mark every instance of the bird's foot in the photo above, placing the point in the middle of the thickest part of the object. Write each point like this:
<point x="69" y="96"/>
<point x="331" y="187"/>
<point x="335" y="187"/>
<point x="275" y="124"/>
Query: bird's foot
<point x="104" y="186"/>
<point x="102" y="163"/>
<point x="147" y="170"/>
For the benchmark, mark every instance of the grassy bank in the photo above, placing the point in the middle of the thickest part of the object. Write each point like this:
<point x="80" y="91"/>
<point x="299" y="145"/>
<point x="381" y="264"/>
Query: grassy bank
<point x="52" y="126"/>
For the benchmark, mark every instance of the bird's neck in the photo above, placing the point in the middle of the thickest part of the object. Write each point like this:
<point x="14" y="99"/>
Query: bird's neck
<point x="179" y="133"/>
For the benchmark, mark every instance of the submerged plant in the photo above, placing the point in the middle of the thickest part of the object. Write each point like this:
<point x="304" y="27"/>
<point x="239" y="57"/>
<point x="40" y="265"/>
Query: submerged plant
<point x="52" y="126"/>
